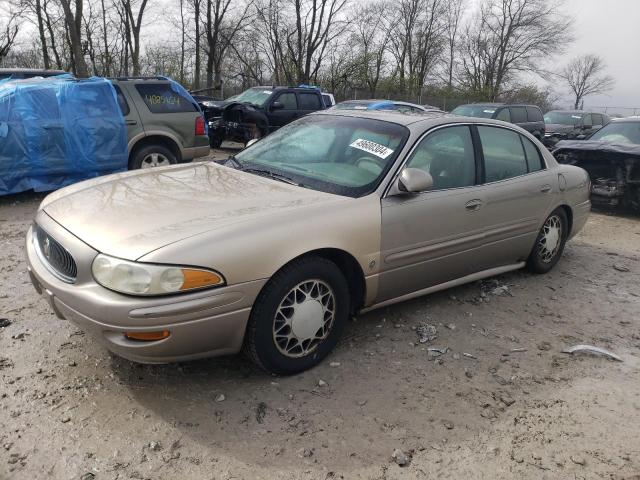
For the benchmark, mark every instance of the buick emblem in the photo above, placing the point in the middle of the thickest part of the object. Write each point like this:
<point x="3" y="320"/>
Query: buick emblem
<point x="46" y="248"/>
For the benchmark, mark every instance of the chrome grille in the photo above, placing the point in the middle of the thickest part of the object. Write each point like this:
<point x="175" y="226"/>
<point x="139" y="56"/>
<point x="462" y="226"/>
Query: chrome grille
<point x="56" y="256"/>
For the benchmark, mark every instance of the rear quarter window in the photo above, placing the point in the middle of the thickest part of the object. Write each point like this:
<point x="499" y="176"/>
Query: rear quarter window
<point x="161" y="98"/>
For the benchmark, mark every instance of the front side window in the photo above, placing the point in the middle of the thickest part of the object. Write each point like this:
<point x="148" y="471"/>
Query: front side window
<point x="288" y="100"/>
<point x="587" y="121"/>
<point x="343" y="155"/>
<point x="504" y="115"/>
<point x="163" y="98"/>
<point x="504" y="155"/>
<point x="447" y="154"/>
<point x="563" y="118"/>
<point x="597" y="119"/>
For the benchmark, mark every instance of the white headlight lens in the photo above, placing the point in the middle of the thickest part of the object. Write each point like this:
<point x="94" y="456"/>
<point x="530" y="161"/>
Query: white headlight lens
<point x="146" y="279"/>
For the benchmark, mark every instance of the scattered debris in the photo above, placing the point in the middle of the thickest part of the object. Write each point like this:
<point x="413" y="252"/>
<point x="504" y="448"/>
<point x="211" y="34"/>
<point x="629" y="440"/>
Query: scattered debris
<point x="400" y="457"/>
<point x="518" y="350"/>
<point x="544" y="346"/>
<point x="261" y="411"/>
<point x="451" y="326"/>
<point x="448" y="425"/>
<point x="155" y="446"/>
<point x="221" y="398"/>
<point x="5" y="363"/>
<point x="305" y="452"/>
<point x="87" y="476"/>
<point x="440" y="350"/>
<point x="65" y="419"/>
<point x="334" y="364"/>
<point x="578" y="460"/>
<point x="427" y="332"/>
<point x="620" y="267"/>
<point x="592" y="349"/>
<point x="468" y="355"/>
<point x="362" y="403"/>
<point x="4" y="322"/>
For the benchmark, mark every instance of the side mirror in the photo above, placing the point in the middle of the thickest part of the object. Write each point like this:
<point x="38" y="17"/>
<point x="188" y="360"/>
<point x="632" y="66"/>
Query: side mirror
<point x="251" y="142"/>
<point x="414" y="180"/>
<point x="277" y="106"/>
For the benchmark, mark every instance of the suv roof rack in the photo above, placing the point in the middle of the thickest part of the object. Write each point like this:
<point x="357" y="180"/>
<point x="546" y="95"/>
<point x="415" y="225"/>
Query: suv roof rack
<point x="156" y="77"/>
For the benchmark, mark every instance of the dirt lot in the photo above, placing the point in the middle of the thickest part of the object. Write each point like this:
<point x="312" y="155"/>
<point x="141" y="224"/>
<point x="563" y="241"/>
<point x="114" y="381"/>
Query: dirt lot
<point x="502" y="402"/>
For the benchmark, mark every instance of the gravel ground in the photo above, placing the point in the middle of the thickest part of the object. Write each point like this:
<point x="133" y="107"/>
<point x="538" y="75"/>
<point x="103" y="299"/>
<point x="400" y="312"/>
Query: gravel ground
<point x="502" y="401"/>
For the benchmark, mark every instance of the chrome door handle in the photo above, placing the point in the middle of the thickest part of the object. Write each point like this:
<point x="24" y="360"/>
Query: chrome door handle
<point x="131" y="122"/>
<point x="545" y="188"/>
<point x="473" y="205"/>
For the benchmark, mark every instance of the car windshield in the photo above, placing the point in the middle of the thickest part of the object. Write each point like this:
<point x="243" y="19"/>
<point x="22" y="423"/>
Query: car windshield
<point x="619" y="132"/>
<point x="563" y="118"/>
<point x="256" y="96"/>
<point x="342" y="155"/>
<point x="481" y="111"/>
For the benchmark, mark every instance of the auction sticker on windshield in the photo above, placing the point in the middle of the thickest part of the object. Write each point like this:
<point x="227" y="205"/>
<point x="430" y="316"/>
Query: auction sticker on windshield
<point x="372" y="147"/>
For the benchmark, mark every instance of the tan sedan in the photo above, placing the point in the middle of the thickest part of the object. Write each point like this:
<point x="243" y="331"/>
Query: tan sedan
<point x="339" y="212"/>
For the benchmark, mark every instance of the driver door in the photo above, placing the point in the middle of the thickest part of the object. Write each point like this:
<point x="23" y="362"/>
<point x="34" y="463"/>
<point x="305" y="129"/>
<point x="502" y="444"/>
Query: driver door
<point x="432" y="237"/>
<point x="279" y="117"/>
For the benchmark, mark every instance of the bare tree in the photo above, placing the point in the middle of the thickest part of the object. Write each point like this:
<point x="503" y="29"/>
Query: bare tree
<point x="133" y="26"/>
<point x="453" y="17"/>
<point x="73" y="20"/>
<point x="508" y="37"/>
<point x="585" y="76"/>
<point x="9" y="28"/>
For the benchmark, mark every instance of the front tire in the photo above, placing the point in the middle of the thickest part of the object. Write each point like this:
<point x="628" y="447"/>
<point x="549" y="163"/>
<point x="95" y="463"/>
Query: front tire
<point x="550" y="242"/>
<point x="298" y="317"/>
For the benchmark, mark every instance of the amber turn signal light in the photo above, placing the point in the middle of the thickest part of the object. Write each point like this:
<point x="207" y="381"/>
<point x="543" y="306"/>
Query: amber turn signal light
<point x="147" y="336"/>
<point x="199" y="278"/>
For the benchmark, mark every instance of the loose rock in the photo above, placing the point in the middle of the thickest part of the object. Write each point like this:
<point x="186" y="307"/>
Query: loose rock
<point x="427" y="333"/>
<point x="400" y="457"/>
<point x="221" y="398"/>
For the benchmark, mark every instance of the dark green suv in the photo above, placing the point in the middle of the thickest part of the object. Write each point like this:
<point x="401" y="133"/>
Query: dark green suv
<point x="164" y="123"/>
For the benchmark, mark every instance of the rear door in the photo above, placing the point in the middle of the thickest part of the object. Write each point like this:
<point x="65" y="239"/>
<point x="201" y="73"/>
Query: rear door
<point x="135" y="129"/>
<point x="309" y="102"/>
<point x="517" y="192"/>
<point x="519" y="117"/>
<point x="434" y="236"/>
<point x="536" y="121"/>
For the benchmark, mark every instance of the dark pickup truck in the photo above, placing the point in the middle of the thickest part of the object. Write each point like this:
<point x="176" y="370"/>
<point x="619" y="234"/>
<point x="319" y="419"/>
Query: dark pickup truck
<point x="258" y="111"/>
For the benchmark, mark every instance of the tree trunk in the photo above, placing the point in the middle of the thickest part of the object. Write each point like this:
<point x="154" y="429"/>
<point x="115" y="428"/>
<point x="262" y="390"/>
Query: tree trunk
<point x="43" y="39"/>
<point x="197" y="66"/>
<point x="74" y="23"/>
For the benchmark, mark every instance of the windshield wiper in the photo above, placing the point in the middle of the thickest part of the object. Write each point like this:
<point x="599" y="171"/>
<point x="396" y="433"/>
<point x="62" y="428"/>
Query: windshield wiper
<point x="275" y="176"/>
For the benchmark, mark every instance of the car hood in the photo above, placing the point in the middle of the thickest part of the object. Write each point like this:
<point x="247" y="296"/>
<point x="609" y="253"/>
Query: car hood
<point x="129" y="215"/>
<point x="558" y="128"/>
<point x="599" y="146"/>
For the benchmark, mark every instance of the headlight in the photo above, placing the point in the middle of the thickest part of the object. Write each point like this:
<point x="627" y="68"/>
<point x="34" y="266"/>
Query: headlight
<point x="135" y="278"/>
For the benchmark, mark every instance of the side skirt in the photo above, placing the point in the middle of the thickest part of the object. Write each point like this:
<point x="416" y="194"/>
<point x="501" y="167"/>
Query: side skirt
<point x="443" y="286"/>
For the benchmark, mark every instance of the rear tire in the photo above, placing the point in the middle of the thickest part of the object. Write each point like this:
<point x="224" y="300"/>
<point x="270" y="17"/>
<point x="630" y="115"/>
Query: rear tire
<point x="152" y="156"/>
<point x="550" y="242"/>
<point x="298" y="317"/>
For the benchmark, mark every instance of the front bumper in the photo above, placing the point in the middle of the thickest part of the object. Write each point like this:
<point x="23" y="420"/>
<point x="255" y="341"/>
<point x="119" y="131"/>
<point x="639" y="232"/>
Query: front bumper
<point x="201" y="324"/>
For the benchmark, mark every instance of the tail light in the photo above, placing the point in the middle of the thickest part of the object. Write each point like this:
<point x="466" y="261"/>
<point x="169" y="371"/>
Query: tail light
<point x="200" y="126"/>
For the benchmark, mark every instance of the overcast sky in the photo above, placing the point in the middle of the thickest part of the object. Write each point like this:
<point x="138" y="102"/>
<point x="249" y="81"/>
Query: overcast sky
<point x="610" y="29"/>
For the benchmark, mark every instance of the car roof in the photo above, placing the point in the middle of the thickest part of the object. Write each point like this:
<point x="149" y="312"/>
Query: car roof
<point x="575" y="112"/>
<point x="394" y="116"/>
<point x="31" y="71"/>
<point x="625" y="120"/>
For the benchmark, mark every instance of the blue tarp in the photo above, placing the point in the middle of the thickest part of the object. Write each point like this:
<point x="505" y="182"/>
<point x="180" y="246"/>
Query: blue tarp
<point x="57" y="131"/>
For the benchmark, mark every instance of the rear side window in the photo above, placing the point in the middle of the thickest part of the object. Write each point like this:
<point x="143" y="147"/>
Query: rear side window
<point x="288" y="100"/>
<point x="309" y="101"/>
<point x="122" y="102"/>
<point x="327" y="100"/>
<point x="587" y="121"/>
<point x="597" y="119"/>
<point x="504" y="155"/>
<point x="161" y="98"/>
<point x="534" y="114"/>
<point x="518" y="114"/>
<point x="534" y="159"/>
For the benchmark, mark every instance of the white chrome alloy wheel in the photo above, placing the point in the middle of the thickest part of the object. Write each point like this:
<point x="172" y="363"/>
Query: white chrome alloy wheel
<point x="154" y="160"/>
<point x="551" y="239"/>
<point x="304" y="318"/>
